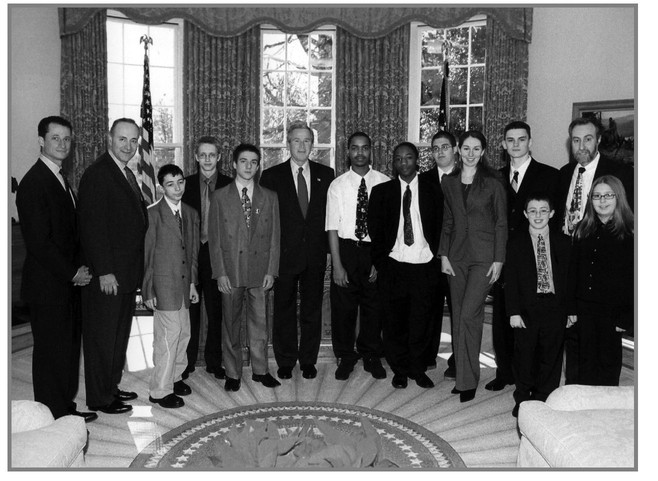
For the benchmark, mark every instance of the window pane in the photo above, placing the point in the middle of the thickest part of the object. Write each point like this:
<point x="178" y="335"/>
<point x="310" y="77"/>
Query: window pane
<point x="458" y="121"/>
<point x="298" y="52"/>
<point x="132" y="112"/>
<point x="274" y="50"/>
<point x="163" y="125"/>
<point x="115" y="83"/>
<point x="133" y="51"/>
<point x="478" y="43"/>
<point x="477" y="85"/>
<point x="320" y="122"/>
<point x="457" y="46"/>
<point x="162" y="86"/>
<point x="133" y="83"/>
<point x="271" y="156"/>
<point x="458" y="77"/>
<point x="430" y="89"/>
<point x="296" y="115"/>
<point x="475" y="118"/>
<point x="160" y="52"/>
<point x="114" y="111"/>
<point x="273" y="84"/>
<point x="321" y="52"/>
<point x="273" y="126"/>
<point x="321" y="89"/>
<point x="425" y="160"/>
<point x="429" y="124"/>
<point x="432" y="48"/>
<point x="322" y="156"/>
<point x="115" y="37"/>
<point x="297" y="89"/>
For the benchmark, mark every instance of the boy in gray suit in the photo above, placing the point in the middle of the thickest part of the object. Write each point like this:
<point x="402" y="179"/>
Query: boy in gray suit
<point x="243" y="238"/>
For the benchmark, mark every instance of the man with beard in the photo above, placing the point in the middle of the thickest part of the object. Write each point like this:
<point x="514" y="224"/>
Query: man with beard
<point x="574" y="183"/>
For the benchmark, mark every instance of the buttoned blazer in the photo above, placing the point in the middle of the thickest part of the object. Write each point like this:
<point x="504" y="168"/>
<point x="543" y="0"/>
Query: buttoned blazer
<point x="384" y="217"/>
<point x="538" y="178"/>
<point x="192" y="194"/>
<point x="521" y="274"/>
<point x="49" y="227"/>
<point x="304" y="241"/>
<point x="113" y="223"/>
<point x="244" y="255"/>
<point x="479" y="229"/>
<point x="170" y="257"/>
<point x="606" y="166"/>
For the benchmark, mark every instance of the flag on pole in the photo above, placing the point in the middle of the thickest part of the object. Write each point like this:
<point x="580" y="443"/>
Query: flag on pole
<point x="146" y="144"/>
<point x="443" y="106"/>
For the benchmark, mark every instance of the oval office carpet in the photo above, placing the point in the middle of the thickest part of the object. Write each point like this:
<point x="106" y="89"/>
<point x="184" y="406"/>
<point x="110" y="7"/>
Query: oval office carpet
<point x="195" y="444"/>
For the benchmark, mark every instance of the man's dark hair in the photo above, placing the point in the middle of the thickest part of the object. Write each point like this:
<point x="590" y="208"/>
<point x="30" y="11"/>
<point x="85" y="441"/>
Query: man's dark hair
<point x="358" y="134"/>
<point x="444" y="134"/>
<point x="538" y="196"/>
<point x="517" y="124"/>
<point x="245" y="148"/>
<point x="123" y="120"/>
<point x="44" y="124"/>
<point x="207" y="139"/>
<point x="587" y="120"/>
<point x="407" y="144"/>
<point x="167" y="169"/>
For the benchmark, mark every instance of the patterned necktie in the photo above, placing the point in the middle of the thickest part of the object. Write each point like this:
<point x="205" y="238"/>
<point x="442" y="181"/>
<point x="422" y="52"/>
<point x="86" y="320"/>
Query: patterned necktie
<point x="574" y="216"/>
<point x="515" y="181"/>
<point x="406" y="211"/>
<point x="67" y="186"/>
<point x="361" y="230"/>
<point x="246" y="207"/>
<point x="179" y="220"/>
<point x="302" y="192"/>
<point x="205" y="208"/>
<point x="543" y="279"/>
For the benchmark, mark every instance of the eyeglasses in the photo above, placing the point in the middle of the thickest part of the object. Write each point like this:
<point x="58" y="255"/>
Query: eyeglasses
<point x="443" y="147"/>
<point x="540" y="212"/>
<point x="608" y="196"/>
<point x="207" y="156"/>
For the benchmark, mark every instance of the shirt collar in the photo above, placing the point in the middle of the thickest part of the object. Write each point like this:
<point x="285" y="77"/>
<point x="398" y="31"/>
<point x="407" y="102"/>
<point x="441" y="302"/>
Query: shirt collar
<point x="173" y="206"/>
<point x="295" y="167"/>
<point x="50" y="164"/>
<point x="411" y="184"/>
<point x="120" y="164"/>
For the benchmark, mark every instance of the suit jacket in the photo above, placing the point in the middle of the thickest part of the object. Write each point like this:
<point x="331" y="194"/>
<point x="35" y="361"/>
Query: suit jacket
<point x="478" y="229"/>
<point x="521" y="274"/>
<point x="432" y="176"/>
<point x="192" y="194"/>
<point x="606" y="166"/>
<point x="384" y="217"/>
<point x="245" y="255"/>
<point x="538" y="178"/>
<point x="113" y="222"/>
<point x="170" y="257"/>
<point x="49" y="226"/>
<point x="304" y="241"/>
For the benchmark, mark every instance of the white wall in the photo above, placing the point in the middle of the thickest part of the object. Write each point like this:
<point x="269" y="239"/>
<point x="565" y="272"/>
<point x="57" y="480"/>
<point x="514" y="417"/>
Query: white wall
<point x="576" y="55"/>
<point x="34" y="62"/>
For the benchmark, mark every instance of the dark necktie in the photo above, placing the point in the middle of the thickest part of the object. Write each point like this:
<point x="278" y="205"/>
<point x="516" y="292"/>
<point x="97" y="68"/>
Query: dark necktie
<point x="406" y="211"/>
<point x="543" y="279"/>
<point x="133" y="183"/>
<point x="515" y="181"/>
<point x="573" y="215"/>
<point x="302" y="192"/>
<point x="361" y="230"/>
<point x="205" y="207"/>
<point x="179" y="220"/>
<point x="67" y="186"/>
<point x="246" y="207"/>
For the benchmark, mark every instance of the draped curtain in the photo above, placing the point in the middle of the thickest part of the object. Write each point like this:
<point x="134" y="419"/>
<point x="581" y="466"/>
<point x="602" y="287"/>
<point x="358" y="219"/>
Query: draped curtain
<point x="83" y="89"/>
<point x="222" y="91"/>
<point x="372" y="94"/>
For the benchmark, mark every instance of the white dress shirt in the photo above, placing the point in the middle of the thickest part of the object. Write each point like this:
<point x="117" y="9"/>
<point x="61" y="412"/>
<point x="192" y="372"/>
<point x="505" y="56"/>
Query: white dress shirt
<point x="522" y="169"/>
<point x="57" y="172"/>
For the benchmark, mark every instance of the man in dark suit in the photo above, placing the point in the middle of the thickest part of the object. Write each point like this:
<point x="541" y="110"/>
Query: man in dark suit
<point x="404" y="220"/>
<point x="46" y="208"/>
<point x="444" y="151"/>
<point x="301" y="186"/>
<point x="113" y="223"/>
<point x="522" y="176"/>
<point x="573" y="185"/>
<point x="198" y="190"/>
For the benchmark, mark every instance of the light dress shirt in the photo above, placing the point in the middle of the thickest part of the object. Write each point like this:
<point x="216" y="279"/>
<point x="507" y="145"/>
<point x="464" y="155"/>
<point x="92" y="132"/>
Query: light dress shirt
<point x="521" y="170"/>
<point x="588" y="178"/>
<point x="56" y="170"/>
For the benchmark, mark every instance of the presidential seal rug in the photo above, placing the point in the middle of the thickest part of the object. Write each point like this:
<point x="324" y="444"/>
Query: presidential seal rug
<point x="298" y="435"/>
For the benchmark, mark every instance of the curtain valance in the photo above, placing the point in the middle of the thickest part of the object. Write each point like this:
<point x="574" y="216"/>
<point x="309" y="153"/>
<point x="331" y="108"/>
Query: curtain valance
<point x="364" y="22"/>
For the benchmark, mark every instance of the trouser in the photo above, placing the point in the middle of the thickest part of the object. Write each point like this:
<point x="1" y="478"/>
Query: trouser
<point x="599" y="349"/>
<point x="171" y="334"/>
<point x="502" y="334"/>
<point x="440" y="297"/>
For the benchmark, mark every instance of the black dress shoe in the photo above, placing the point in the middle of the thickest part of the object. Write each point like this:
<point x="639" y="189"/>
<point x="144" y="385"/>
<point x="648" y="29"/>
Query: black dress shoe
<point x="423" y="381"/>
<point x="450" y="373"/>
<point x="218" y="372"/>
<point x="232" y="384"/>
<point x="170" y="401"/>
<point x="308" y="371"/>
<point x="344" y="370"/>
<point x="468" y="395"/>
<point x="284" y="372"/>
<point x="374" y="367"/>
<point x="186" y="373"/>
<point x="88" y="417"/>
<point x="399" y="381"/>
<point x="265" y="379"/>
<point x="115" y="407"/>
<point x="497" y="385"/>
<point x="455" y="391"/>
<point x="182" y="389"/>
<point x="125" y="395"/>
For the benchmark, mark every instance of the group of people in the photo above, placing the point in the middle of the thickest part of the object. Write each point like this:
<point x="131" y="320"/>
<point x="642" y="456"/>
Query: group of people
<point x="557" y="247"/>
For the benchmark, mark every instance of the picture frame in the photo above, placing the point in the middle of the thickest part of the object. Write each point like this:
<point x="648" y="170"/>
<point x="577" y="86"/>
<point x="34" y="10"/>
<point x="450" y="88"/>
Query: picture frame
<point x="618" y="119"/>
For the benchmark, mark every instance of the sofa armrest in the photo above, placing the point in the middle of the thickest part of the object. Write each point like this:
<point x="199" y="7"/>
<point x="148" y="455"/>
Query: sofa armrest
<point x="28" y="415"/>
<point x="575" y="397"/>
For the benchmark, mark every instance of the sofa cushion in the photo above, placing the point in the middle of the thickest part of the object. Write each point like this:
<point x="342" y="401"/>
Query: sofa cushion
<point x="28" y="415"/>
<point x="58" y="445"/>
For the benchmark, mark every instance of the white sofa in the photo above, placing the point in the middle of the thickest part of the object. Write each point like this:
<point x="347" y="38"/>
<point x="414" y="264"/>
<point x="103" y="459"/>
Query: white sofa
<point x="579" y="427"/>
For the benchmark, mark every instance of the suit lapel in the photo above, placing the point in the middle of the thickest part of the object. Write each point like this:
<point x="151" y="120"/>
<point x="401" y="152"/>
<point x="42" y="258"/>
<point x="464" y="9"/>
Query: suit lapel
<point x="168" y="217"/>
<point x="120" y="178"/>
<point x="235" y="200"/>
<point x="524" y="190"/>
<point x="256" y="207"/>
<point x="315" y="187"/>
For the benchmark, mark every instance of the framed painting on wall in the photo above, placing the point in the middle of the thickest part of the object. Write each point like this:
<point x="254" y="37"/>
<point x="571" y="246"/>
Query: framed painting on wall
<point x="618" y="119"/>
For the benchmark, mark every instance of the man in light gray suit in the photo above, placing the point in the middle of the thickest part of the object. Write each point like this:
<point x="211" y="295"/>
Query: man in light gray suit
<point x="244" y="237"/>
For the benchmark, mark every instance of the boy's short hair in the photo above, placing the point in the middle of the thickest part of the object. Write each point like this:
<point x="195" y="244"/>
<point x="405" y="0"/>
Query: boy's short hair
<point x="517" y="124"/>
<point x="245" y="148"/>
<point x="167" y="169"/>
<point x="207" y="139"/>
<point x="538" y="196"/>
<point x="413" y="148"/>
<point x="358" y="134"/>
<point x="444" y="134"/>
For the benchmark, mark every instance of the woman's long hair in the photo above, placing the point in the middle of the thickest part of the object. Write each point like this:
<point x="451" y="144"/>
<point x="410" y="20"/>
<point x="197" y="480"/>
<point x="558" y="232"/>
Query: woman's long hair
<point x="482" y="168"/>
<point x="622" y="221"/>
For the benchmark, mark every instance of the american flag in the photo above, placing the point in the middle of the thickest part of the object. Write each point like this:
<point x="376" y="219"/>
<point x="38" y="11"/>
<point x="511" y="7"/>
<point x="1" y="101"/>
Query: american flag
<point x="146" y="145"/>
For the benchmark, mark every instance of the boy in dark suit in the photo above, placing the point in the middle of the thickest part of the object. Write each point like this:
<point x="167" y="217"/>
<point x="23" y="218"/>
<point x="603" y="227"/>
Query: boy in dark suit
<point x="537" y="301"/>
<point x="170" y="273"/>
<point x="243" y="236"/>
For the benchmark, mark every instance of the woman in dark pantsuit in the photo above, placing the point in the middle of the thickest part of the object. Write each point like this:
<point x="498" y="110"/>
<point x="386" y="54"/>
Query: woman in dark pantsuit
<point x="472" y="250"/>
